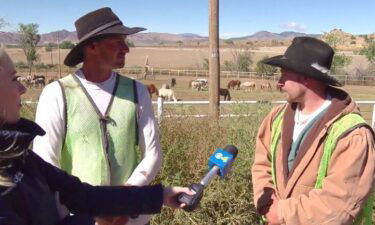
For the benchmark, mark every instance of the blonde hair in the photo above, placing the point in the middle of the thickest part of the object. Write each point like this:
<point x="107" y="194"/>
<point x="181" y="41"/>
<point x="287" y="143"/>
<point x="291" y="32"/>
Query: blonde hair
<point x="4" y="58"/>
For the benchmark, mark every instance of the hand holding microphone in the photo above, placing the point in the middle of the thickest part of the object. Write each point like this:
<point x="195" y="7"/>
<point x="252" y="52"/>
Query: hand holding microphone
<point x="219" y="164"/>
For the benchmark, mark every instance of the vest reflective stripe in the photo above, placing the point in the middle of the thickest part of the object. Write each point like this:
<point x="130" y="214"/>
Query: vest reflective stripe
<point x="275" y="138"/>
<point x="100" y="150"/>
<point x="337" y="129"/>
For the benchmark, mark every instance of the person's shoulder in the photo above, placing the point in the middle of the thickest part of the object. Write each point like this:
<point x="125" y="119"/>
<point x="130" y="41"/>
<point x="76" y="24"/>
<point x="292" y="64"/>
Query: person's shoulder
<point x="52" y="89"/>
<point x="138" y="83"/>
<point x="276" y="110"/>
<point x="141" y="88"/>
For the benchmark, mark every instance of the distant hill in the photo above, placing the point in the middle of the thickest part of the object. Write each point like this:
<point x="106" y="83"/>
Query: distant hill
<point x="140" y="39"/>
<point x="154" y="38"/>
<point x="267" y="36"/>
<point x="190" y="39"/>
<point x="8" y="38"/>
<point x="62" y="35"/>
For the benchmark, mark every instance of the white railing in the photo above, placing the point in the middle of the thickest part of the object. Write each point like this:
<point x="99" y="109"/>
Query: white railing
<point x="160" y="107"/>
<point x="138" y="72"/>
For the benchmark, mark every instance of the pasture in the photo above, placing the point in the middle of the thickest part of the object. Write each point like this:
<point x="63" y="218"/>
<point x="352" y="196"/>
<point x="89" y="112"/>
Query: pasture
<point x="185" y="93"/>
<point x="187" y="143"/>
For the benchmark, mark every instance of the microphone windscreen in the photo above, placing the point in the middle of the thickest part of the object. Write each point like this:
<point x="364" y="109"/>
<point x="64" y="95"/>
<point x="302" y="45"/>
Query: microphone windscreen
<point x="232" y="150"/>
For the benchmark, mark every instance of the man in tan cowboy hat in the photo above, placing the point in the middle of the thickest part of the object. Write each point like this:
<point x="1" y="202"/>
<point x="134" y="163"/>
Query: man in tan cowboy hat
<point x="314" y="159"/>
<point x="95" y="117"/>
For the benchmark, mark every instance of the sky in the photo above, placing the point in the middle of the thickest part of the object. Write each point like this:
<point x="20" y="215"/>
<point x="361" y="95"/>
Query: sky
<point x="237" y="18"/>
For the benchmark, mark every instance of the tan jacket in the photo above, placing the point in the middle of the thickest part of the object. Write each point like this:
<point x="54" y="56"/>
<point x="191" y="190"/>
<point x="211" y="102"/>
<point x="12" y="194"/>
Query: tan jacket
<point x="350" y="175"/>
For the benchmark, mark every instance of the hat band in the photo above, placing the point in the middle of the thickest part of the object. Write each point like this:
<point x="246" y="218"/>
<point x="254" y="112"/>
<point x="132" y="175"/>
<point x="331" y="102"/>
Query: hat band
<point x="319" y="67"/>
<point x="105" y="26"/>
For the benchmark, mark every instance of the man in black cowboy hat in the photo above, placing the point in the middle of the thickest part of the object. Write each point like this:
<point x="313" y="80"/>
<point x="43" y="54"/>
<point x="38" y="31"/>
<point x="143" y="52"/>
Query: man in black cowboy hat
<point x="95" y="118"/>
<point x="314" y="159"/>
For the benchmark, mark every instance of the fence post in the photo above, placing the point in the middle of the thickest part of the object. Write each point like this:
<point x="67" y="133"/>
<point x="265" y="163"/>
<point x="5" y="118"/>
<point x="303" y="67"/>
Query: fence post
<point x="160" y="109"/>
<point x="373" y="118"/>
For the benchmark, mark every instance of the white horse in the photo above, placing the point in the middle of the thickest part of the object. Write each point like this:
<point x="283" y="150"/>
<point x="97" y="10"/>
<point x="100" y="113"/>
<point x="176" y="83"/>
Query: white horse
<point x="248" y="86"/>
<point x="167" y="94"/>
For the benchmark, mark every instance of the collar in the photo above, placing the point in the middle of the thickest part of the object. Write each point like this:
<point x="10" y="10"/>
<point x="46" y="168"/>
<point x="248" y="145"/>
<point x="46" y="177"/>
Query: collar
<point x="16" y="138"/>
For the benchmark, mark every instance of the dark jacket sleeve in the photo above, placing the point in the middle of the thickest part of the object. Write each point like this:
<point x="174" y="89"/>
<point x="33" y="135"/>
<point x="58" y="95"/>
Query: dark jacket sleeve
<point x="81" y="197"/>
<point x="7" y="217"/>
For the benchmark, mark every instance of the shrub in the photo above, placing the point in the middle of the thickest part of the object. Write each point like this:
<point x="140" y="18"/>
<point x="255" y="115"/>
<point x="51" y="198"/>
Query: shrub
<point x="67" y="45"/>
<point x="21" y="65"/>
<point x="130" y="44"/>
<point x="264" y="69"/>
<point x="44" y="66"/>
<point x="228" y="66"/>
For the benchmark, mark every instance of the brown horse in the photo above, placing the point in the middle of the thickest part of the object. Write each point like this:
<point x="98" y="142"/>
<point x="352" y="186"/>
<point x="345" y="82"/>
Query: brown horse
<point x="233" y="84"/>
<point x="152" y="89"/>
<point x="173" y="82"/>
<point x="225" y="92"/>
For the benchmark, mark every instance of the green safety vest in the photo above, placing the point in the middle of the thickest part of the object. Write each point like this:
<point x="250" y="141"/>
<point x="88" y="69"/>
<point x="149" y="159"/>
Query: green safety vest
<point x="99" y="149"/>
<point x="341" y="126"/>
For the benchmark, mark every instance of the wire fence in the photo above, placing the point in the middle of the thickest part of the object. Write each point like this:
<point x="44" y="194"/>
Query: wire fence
<point x="139" y="72"/>
<point x="367" y="108"/>
<point x="152" y="72"/>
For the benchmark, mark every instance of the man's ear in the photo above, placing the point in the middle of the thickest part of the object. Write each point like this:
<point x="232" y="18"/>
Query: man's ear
<point x="89" y="48"/>
<point x="305" y="80"/>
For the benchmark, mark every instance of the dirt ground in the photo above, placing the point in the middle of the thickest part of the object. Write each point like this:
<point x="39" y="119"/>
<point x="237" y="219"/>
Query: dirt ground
<point x="170" y="57"/>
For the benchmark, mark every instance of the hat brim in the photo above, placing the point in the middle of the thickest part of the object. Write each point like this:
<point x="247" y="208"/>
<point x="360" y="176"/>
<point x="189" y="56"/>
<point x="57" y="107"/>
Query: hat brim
<point x="285" y="63"/>
<point x="75" y="55"/>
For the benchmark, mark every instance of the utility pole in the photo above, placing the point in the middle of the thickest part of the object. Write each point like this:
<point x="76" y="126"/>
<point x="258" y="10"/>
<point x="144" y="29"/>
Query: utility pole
<point x="214" y="60"/>
<point x="58" y="47"/>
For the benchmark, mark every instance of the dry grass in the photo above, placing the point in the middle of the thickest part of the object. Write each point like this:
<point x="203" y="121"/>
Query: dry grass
<point x="175" y="57"/>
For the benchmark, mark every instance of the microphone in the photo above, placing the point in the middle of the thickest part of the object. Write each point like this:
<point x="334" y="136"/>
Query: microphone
<point x="219" y="164"/>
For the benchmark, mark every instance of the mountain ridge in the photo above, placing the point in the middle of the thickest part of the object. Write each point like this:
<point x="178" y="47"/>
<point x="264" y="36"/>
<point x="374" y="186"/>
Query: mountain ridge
<point x="160" y="39"/>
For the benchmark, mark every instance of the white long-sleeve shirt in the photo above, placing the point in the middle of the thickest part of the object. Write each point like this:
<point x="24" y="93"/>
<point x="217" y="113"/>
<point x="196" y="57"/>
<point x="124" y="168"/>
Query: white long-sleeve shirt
<point x="50" y="116"/>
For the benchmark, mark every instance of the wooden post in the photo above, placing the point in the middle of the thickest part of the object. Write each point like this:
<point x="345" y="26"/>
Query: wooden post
<point x="373" y="118"/>
<point x="214" y="60"/>
<point x="58" y="47"/>
<point x="160" y="109"/>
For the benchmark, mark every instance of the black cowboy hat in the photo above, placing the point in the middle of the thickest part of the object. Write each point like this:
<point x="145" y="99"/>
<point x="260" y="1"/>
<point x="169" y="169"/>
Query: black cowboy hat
<point x="94" y="24"/>
<point x="308" y="56"/>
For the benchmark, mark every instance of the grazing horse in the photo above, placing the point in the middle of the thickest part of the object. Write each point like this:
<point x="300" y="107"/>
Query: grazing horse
<point x="233" y="84"/>
<point x="152" y="89"/>
<point x="165" y="86"/>
<point x="173" y="82"/>
<point x="248" y="86"/>
<point x="266" y="85"/>
<point x="38" y="82"/>
<point x="50" y="80"/>
<point x="225" y="92"/>
<point x="167" y="94"/>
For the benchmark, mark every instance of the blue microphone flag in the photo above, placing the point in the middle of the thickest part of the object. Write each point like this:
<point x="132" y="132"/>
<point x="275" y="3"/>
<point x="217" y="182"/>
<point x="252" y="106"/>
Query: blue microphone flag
<point x="221" y="159"/>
